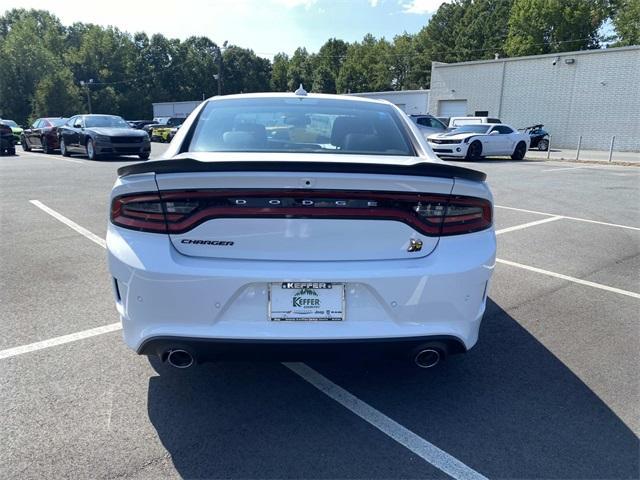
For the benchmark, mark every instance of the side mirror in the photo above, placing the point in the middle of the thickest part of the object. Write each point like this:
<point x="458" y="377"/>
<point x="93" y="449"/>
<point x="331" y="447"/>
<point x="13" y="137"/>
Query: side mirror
<point x="77" y="125"/>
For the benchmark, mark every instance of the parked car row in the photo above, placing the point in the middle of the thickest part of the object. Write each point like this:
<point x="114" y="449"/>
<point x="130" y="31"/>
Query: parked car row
<point x="93" y="135"/>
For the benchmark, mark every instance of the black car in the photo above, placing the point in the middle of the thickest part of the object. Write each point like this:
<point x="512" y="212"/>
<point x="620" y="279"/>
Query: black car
<point x="139" y="124"/>
<point x="428" y="124"/>
<point x="102" y="135"/>
<point x="7" y="141"/>
<point x="539" y="137"/>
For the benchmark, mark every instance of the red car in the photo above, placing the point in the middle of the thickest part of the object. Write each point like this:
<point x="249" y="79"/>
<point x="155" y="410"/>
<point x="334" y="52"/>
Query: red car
<point x="43" y="134"/>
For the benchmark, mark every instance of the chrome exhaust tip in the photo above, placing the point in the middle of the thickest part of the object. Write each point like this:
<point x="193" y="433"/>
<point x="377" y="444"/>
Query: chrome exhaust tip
<point x="180" y="358"/>
<point x="427" y="358"/>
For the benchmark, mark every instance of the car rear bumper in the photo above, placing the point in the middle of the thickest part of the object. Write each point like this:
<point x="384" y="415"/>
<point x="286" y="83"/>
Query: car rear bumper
<point x="212" y="349"/>
<point x="161" y="294"/>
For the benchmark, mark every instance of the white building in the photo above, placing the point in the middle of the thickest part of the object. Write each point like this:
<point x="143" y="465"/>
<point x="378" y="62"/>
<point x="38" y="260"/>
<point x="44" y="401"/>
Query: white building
<point x="593" y="93"/>
<point x="174" y="109"/>
<point x="412" y="102"/>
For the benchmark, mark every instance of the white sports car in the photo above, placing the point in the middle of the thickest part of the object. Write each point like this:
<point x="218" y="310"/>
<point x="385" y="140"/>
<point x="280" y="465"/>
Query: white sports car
<point x="480" y="140"/>
<point x="291" y="226"/>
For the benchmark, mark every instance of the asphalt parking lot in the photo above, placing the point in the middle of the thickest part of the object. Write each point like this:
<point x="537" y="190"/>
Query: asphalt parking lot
<point x="552" y="390"/>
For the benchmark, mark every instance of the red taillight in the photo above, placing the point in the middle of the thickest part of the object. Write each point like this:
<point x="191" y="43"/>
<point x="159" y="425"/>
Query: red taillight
<point x="466" y="215"/>
<point x="178" y="212"/>
<point x="142" y="212"/>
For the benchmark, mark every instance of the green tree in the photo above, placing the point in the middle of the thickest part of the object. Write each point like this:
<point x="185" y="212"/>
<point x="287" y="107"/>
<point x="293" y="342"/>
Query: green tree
<point x="57" y="95"/>
<point x="279" y="72"/>
<point x="323" y="80"/>
<point x="30" y="60"/>
<point x="626" y="21"/>
<point x="437" y="41"/>
<point x="300" y="70"/>
<point x="197" y="64"/>
<point x="107" y="56"/>
<point x="367" y="67"/>
<point x="549" y="26"/>
<point x="244" y="71"/>
<point x="327" y="65"/>
<point x="483" y="29"/>
<point x="402" y="61"/>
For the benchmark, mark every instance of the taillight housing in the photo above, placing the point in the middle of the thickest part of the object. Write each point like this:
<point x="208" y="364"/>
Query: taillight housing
<point x="178" y="212"/>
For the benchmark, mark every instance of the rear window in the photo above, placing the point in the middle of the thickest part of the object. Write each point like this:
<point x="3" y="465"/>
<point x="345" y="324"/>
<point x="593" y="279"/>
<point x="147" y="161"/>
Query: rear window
<point x="303" y="124"/>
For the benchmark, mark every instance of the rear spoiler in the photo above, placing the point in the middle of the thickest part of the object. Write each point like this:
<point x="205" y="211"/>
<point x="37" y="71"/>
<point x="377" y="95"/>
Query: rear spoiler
<point x="421" y="169"/>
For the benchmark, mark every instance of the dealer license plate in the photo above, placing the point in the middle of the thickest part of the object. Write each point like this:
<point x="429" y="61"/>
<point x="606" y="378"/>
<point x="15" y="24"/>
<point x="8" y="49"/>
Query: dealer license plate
<point x="306" y="302"/>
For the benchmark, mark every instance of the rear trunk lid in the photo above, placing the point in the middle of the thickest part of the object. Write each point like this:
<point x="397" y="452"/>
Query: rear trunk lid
<point x="324" y="210"/>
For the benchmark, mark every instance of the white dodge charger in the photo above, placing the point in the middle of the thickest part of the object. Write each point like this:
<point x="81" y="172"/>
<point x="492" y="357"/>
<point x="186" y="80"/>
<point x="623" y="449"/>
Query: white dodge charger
<point x="475" y="141"/>
<point x="291" y="226"/>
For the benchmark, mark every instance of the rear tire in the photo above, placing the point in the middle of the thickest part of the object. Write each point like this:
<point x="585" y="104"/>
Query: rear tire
<point x="63" y="148"/>
<point x="474" y="152"/>
<point x="25" y="144"/>
<point x="520" y="151"/>
<point x="543" y="145"/>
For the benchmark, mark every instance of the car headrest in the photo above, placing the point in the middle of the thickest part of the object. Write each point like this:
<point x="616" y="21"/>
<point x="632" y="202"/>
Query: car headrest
<point x="362" y="142"/>
<point x="343" y="126"/>
<point x="256" y="129"/>
<point x="251" y="134"/>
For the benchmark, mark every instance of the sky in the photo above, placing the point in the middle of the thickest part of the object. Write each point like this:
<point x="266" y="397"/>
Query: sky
<point x="265" y="26"/>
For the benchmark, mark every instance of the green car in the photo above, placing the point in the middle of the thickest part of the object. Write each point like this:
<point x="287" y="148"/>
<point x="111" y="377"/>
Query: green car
<point x="164" y="134"/>
<point x="161" y="134"/>
<point x="17" y="131"/>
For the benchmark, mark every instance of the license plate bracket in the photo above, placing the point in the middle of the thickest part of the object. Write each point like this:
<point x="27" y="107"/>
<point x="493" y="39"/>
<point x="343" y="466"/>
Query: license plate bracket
<point x="306" y="302"/>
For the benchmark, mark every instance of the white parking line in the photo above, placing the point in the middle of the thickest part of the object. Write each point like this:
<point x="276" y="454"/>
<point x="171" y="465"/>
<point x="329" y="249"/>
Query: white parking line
<point x="560" y="169"/>
<point x="405" y="437"/>
<point x="570" y="279"/>
<point x="527" y="225"/>
<point x="70" y="223"/>
<point x="568" y="218"/>
<point x="52" y="157"/>
<point x="52" y="342"/>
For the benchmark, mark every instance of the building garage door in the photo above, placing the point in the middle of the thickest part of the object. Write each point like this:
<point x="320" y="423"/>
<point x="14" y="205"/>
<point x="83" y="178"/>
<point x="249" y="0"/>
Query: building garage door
<point x="452" y="108"/>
